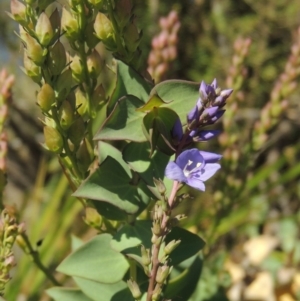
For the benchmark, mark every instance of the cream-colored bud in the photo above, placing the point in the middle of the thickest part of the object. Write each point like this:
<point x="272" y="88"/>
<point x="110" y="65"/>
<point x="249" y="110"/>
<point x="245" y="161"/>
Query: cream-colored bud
<point x="69" y="24"/>
<point x="94" y="64"/>
<point x="53" y="139"/>
<point x="44" y="29"/>
<point x="34" y="50"/>
<point x="46" y="97"/>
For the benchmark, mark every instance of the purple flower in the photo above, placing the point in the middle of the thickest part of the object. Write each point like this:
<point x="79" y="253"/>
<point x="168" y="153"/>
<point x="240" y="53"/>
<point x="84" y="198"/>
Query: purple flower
<point x="204" y="135"/>
<point x="193" y="167"/>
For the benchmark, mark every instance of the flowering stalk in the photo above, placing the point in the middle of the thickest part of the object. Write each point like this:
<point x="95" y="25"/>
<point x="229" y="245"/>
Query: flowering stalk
<point x="164" y="46"/>
<point x="192" y="167"/>
<point x="6" y="82"/>
<point x="277" y="104"/>
<point x="9" y="230"/>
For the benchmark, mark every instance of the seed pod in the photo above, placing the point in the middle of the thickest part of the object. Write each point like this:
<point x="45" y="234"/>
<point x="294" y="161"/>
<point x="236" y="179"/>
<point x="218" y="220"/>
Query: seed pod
<point x="46" y="97"/>
<point x="34" y="50"/>
<point x="104" y="31"/>
<point x="66" y="115"/>
<point x="18" y="11"/>
<point x="77" y="69"/>
<point x="70" y="25"/>
<point x="53" y="139"/>
<point x="44" y="29"/>
<point x="32" y="70"/>
<point x="94" y="64"/>
<point x="81" y="102"/>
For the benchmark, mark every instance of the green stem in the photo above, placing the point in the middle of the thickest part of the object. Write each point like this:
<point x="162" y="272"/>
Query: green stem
<point x="36" y="259"/>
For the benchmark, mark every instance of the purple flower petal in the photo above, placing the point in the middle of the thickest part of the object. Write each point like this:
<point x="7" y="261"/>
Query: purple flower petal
<point x="177" y="131"/>
<point x="192" y="155"/>
<point x="211" y="111"/>
<point x="202" y="90"/>
<point x="209" y="170"/>
<point x="196" y="183"/>
<point x="174" y="172"/>
<point x="214" y="84"/>
<point x="210" y="157"/>
<point x="218" y="115"/>
<point x="206" y="135"/>
<point x="192" y="115"/>
<point x="226" y="93"/>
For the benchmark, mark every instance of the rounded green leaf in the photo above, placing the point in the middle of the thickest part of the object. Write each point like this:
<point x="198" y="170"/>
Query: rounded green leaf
<point x="129" y="82"/>
<point x="67" y="294"/>
<point x="124" y="122"/>
<point x="190" y="244"/>
<point x="104" y="292"/>
<point x="180" y="95"/>
<point x="111" y="183"/>
<point x="96" y="260"/>
<point x="131" y="236"/>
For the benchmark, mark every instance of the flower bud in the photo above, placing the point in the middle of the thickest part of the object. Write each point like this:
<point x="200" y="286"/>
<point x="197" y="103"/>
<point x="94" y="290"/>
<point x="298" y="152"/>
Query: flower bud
<point x="131" y="37"/>
<point x="160" y="186"/>
<point x="94" y="64"/>
<point x="46" y="97"/>
<point x="162" y="274"/>
<point x="171" y="246"/>
<point x="34" y="50"/>
<point x="32" y="70"/>
<point x="77" y="69"/>
<point x="63" y="85"/>
<point x="84" y="155"/>
<point x="65" y="115"/>
<point x="145" y="255"/>
<point x="44" y="29"/>
<point x="57" y="58"/>
<point x="81" y="102"/>
<point x="93" y="218"/>
<point x="70" y="25"/>
<point x="76" y="131"/>
<point x="156" y="229"/>
<point x="53" y="139"/>
<point x="134" y="288"/>
<point x="104" y="31"/>
<point x="156" y="293"/>
<point x="18" y="10"/>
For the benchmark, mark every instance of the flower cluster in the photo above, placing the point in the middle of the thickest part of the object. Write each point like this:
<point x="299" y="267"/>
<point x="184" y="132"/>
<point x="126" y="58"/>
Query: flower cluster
<point x="164" y="46"/>
<point x="194" y="167"/>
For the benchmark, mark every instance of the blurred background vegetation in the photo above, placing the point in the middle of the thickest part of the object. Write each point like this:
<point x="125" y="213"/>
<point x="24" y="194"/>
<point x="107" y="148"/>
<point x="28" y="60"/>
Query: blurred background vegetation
<point x="250" y="215"/>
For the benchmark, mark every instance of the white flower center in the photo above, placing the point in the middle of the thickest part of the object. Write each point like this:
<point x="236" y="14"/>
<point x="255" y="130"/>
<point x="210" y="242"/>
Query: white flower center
<point x="187" y="171"/>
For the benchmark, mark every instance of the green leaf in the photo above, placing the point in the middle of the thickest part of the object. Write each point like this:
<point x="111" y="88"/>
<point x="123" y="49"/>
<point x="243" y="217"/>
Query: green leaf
<point x="104" y="292"/>
<point x="158" y="125"/>
<point x="96" y="260"/>
<point x="112" y="183"/>
<point x="185" y="282"/>
<point x="181" y="96"/>
<point x="131" y="236"/>
<point x="124" y="122"/>
<point x="138" y="157"/>
<point x="67" y="294"/>
<point x="129" y="82"/>
<point x="190" y="244"/>
<point x="154" y="101"/>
